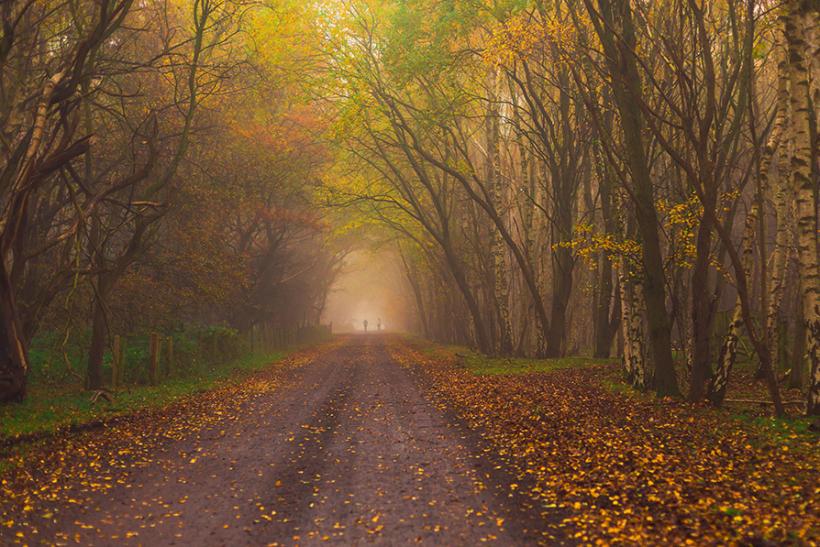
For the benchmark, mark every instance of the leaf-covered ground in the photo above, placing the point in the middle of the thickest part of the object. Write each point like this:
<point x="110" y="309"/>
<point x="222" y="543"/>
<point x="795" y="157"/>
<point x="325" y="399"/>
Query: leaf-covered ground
<point x="376" y="439"/>
<point x="339" y="444"/>
<point x="624" y="468"/>
<point x="41" y="482"/>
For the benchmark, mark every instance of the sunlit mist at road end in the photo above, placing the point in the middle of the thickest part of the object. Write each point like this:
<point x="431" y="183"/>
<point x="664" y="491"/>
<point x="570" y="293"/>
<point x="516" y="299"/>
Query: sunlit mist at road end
<point x="371" y="288"/>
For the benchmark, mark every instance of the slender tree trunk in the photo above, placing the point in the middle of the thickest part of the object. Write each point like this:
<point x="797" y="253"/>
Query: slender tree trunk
<point x="634" y="361"/>
<point x="605" y="326"/>
<point x="797" y="22"/>
<point x="632" y="309"/>
<point x="603" y="330"/>
<point x="780" y="259"/>
<point x="99" y="337"/>
<point x="500" y="277"/>
<point x="782" y="196"/>
<point x="412" y="279"/>
<point x="561" y="290"/>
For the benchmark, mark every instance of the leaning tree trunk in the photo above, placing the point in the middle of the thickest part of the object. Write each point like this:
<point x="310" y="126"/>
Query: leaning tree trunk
<point x="728" y="349"/>
<point x="483" y="341"/>
<point x="797" y="18"/>
<point x="13" y="357"/>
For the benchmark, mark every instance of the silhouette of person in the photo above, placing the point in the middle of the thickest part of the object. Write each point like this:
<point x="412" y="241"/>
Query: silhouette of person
<point x="379" y="324"/>
<point x="365" y="325"/>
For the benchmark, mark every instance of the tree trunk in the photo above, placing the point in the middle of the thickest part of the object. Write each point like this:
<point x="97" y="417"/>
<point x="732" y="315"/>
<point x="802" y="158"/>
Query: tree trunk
<point x="780" y="259"/>
<point x="561" y="290"/>
<point x="728" y="350"/>
<point x="627" y="91"/>
<point x="796" y="377"/>
<point x="482" y="340"/>
<point x="701" y="312"/>
<point x="412" y="278"/>
<point x="634" y="358"/>
<point x="797" y="19"/>
<point x="603" y="328"/>
<point x="500" y="278"/>
<point x="99" y="336"/>
<point x="13" y="356"/>
<point x="631" y="309"/>
<point x="782" y="196"/>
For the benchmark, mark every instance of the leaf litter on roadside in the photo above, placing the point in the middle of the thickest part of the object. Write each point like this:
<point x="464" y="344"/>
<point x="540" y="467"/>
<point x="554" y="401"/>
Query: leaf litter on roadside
<point x="631" y="469"/>
<point x="40" y="481"/>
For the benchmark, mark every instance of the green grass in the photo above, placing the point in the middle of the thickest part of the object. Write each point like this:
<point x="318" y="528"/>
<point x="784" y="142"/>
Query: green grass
<point x="48" y="408"/>
<point x="782" y="430"/>
<point x="484" y="365"/>
<point x="618" y="386"/>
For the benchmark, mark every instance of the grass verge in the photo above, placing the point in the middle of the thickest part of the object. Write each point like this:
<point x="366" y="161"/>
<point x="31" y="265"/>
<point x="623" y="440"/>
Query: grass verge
<point x="49" y="408"/>
<point x="485" y="365"/>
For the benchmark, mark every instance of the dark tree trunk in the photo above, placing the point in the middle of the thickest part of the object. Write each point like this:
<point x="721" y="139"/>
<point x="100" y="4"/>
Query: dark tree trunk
<point x="603" y="325"/>
<point x="701" y="314"/>
<point x="13" y="356"/>
<point x="99" y="336"/>
<point x="798" y="350"/>
<point x="561" y="290"/>
<point x="626" y="85"/>
<point x="485" y="345"/>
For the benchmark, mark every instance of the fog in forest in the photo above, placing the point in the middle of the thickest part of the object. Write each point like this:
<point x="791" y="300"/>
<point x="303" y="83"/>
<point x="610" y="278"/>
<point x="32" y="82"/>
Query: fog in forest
<point x="589" y="226"/>
<point x="372" y="287"/>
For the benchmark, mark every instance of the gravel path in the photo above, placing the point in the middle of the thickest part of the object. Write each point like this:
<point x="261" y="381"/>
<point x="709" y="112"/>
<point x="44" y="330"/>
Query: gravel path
<point x="349" y="451"/>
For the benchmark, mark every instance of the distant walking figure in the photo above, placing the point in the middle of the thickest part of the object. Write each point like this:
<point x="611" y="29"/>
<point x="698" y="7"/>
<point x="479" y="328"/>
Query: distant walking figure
<point x="365" y="325"/>
<point x="379" y="324"/>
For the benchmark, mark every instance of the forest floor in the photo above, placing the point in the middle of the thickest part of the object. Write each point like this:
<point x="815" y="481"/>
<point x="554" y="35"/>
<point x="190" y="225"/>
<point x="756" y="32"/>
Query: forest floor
<point x="377" y="439"/>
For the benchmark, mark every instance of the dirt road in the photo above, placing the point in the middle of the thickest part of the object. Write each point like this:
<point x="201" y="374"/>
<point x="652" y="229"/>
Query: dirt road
<point x="348" y="450"/>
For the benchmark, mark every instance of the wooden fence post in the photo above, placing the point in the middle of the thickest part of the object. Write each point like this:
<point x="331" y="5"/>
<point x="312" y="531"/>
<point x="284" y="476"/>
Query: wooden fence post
<point x="153" y="351"/>
<point x="170" y="356"/>
<point x="116" y="363"/>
